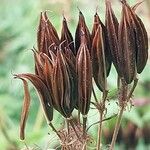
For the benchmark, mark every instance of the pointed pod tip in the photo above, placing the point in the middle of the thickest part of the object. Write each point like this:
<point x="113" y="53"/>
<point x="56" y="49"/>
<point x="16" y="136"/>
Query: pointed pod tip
<point x="96" y="14"/>
<point x="80" y="13"/>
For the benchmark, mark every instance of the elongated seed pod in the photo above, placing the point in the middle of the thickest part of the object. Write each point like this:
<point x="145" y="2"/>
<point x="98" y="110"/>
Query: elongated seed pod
<point x="41" y="35"/>
<point x="25" y="109"/>
<point x="45" y="97"/>
<point x="112" y="35"/>
<point x="127" y="46"/>
<point x="66" y="37"/>
<point x="82" y="27"/>
<point x="84" y="72"/>
<point x="96" y="46"/>
<point x="98" y="60"/>
<point x="62" y="87"/>
<point x="141" y="39"/>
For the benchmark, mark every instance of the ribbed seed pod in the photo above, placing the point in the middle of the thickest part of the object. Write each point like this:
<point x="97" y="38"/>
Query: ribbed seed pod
<point x="41" y="35"/>
<point x="45" y="97"/>
<point x="38" y="64"/>
<point x="112" y="32"/>
<point x="100" y="49"/>
<point x="84" y="72"/>
<point x="141" y="39"/>
<point x="62" y="87"/>
<point x="98" y="59"/>
<point x="66" y="37"/>
<point x="127" y="45"/>
<point x="82" y="27"/>
<point x="51" y="36"/>
<point x="47" y="36"/>
<point x="25" y="109"/>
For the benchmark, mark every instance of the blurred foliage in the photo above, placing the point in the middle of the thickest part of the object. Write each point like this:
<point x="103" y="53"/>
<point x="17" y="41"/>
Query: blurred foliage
<point x="18" y="27"/>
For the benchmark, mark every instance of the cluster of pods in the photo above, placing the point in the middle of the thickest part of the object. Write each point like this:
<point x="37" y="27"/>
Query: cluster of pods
<point x="65" y="66"/>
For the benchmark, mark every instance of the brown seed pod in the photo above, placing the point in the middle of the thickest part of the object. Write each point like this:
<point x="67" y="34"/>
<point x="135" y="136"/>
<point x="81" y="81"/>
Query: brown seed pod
<point x="100" y="49"/>
<point x="44" y="94"/>
<point x="141" y="39"/>
<point x="62" y="85"/>
<point x="112" y="37"/>
<point x="98" y="59"/>
<point x="47" y="37"/>
<point x="82" y="27"/>
<point x="41" y="34"/>
<point x="38" y="64"/>
<point x="84" y="72"/>
<point x="127" y="45"/>
<point x="66" y="37"/>
<point x="25" y="109"/>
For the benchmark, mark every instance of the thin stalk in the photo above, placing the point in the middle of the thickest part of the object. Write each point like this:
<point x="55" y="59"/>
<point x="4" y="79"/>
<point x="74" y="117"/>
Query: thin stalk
<point x="101" y="113"/>
<point x="98" y="147"/>
<point x="117" y="126"/>
<point x="132" y="89"/>
<point x="79" y="116"/>
<point x="94" y="94"/>
<point x="84" y="131"/>
<point x="53" y="128"/>
<point x="84" y="125"/>
<point x="73" y="127"/>
<point x="122" y="97"/>
<point x="67" y="125"/>
<point x="118" y="82"/>
<point x="115" y="115"/>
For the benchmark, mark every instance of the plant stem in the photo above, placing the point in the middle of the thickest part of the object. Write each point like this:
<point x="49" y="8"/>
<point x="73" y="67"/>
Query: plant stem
<point x="67" y="125"/>
<point x="99" y="132"/>
<point x="53" y="128"/>
<point x="122" y="97"/>
<point x="132" y="89"/>
<point x="116" y="129"/>
<point x="73" y="127"/>
<point x="79" y="116"/>
<point x="84" y="125"/>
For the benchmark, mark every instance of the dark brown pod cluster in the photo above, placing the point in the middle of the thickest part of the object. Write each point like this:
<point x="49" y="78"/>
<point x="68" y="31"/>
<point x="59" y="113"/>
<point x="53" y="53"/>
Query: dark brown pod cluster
<point x="128" y="41"/>
<point x="64" y="68"/>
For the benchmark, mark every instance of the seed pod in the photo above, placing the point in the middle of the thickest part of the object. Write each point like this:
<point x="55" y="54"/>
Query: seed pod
<point x="84" y="72"/>
<point x="25" y="109"/>
<point x="41" y="35"/>
<point x="99" y="31"/>
<point x="142" y="47"/>
<point x="141" y="39"/>
<point x="66" y="37"/>
<point x="127" y="45"/>
<point x="48" y="75"/>
<point x="38" y="64"/>
<point x="44" y="94"/>
<point x="51" y="27"/>
<point x="47" y="36"/>
<point x="82" y="27"/>
<point x="112" y="35"/>
<point x="98" y="59"/>
<point x="62" y="87"/>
